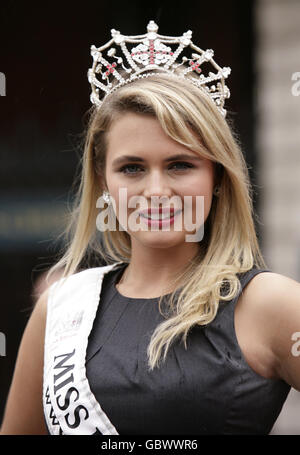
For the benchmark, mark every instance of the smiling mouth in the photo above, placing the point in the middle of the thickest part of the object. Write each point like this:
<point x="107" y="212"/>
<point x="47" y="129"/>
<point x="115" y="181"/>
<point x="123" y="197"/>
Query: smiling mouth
<point x="160" y="215"/>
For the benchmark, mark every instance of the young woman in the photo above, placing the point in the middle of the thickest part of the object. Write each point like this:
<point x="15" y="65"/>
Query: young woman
<point x="176" y="334"/>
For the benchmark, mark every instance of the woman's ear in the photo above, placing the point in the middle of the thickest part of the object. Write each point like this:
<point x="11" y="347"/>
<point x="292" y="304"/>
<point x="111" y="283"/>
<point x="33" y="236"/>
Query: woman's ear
<point x="100" y="176"/>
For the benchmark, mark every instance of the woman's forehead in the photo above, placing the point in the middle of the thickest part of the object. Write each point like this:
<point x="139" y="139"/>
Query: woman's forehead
<point x="143" y="135"/>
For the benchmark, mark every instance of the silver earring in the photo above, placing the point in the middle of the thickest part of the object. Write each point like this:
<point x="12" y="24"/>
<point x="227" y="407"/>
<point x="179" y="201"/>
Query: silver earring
<point x="106" y="197"/>
<point x="216" y="191"/>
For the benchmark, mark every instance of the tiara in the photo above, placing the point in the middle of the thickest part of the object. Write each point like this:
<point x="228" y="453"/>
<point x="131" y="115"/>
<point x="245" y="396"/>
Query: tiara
<point x="147" y="55"/>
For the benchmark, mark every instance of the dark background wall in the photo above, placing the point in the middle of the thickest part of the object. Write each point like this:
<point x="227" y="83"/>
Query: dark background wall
<point x="45" y="55"/>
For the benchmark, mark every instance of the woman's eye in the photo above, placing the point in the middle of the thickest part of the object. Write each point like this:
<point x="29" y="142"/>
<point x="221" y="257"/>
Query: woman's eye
<point x="130" y="169"/>
<point x="182" y="166"/>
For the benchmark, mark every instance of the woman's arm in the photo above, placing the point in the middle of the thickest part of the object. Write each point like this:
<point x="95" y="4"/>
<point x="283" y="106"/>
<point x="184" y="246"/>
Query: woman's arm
<point x="268" y="329"/>
<point x="286" y="340"/>
<point x="24" y="407"/>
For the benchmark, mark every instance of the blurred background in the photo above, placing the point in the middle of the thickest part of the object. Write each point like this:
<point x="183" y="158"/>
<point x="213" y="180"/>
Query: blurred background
<point x="44" y="58"/>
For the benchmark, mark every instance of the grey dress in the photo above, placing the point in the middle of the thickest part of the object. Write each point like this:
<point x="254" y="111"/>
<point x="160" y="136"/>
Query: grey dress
<point x="207" y="389"/>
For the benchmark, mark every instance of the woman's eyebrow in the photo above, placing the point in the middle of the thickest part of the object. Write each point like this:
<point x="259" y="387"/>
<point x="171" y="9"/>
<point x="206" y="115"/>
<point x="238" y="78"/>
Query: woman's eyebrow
<point x="180" y="156"/>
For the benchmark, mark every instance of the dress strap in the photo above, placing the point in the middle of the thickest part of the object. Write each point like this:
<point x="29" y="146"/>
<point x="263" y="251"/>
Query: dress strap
<point x="221" y="331"/>
<point x="245" y="278"/>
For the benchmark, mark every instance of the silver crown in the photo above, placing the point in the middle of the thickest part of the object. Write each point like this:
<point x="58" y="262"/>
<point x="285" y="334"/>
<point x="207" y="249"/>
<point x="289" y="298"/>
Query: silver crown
<point x="148" y="55"/>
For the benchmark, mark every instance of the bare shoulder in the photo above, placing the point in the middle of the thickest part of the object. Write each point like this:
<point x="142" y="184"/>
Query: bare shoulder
<point x="24" y="407"/>
<point x="273" y="294"/>
<point x="270" y="303"/>
<point x="271" y="281"/>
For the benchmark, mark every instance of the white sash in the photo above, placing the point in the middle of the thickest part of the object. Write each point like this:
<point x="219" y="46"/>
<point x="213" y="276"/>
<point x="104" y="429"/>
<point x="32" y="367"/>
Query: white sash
<point x="69" y="404"/>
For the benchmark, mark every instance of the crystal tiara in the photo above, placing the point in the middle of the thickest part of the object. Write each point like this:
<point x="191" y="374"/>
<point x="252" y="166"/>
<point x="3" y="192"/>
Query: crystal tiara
<point x="147" y="55"/>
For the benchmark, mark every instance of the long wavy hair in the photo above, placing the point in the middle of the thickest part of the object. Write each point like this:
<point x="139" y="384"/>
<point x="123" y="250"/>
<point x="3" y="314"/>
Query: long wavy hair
<point x="229" y="246"/>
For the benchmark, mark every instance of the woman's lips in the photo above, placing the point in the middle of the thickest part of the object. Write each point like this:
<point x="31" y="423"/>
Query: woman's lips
<point x="159" y="217"/>
<point x="159" y="211"/>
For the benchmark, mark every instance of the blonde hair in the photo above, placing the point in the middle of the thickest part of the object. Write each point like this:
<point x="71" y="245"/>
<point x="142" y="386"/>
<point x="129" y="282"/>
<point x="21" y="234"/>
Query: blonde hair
<point x="229" y="246"/>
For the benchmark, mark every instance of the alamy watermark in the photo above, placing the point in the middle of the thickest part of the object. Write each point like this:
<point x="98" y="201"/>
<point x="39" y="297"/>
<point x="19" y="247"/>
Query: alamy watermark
<point x="2" y="84"/>
<point x="163" y="214"/>
<point x="296" y="346"/>
<point x="296" y="87"/>
<point x="2" y="345"/>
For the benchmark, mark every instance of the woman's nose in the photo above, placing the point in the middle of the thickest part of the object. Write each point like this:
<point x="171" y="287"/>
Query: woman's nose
<point x="157" y="185"/>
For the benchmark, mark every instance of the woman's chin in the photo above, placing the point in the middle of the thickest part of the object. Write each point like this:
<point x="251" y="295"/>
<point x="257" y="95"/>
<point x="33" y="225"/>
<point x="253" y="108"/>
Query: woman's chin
<point x="159" y="239"/>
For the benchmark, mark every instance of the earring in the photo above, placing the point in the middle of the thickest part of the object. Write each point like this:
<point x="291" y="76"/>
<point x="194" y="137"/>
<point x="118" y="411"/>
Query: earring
<point x="106" y="197"/>
<point x="216" y="191"/>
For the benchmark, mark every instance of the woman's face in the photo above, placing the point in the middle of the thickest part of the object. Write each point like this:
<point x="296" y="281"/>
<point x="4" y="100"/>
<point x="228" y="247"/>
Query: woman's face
<point x="147" y="164"/>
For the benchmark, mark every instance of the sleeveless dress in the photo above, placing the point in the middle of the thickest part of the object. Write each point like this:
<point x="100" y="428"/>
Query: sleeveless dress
<point x="208" y="388"/>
